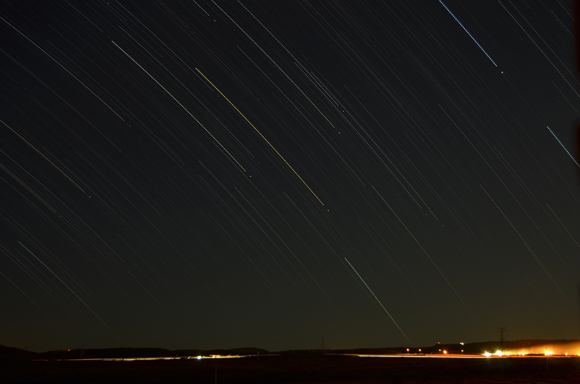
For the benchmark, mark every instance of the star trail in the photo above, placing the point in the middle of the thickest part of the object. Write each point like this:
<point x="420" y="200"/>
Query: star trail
<point x="182" y="173"/>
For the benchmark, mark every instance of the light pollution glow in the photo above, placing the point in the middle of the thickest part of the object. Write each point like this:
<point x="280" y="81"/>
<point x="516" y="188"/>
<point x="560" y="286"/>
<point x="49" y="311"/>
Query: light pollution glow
<point x="565" y="349"/>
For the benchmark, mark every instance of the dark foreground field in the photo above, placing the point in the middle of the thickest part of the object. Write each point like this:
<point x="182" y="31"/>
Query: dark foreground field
<point x="297" y="369"/>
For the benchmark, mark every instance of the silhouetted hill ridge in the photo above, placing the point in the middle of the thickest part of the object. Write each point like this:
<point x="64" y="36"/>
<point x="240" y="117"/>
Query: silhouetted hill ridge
<point x="7" y="353"/>
<point x="11" y="353"/>
<point x="16" y="353"/>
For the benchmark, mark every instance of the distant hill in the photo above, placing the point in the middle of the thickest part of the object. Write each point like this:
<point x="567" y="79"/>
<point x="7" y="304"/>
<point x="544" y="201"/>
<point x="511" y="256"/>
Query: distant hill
<point x="9" y="353"/>
<point x="531" y="346"/>
<point x="106" y="352"/>
<point x="235" y="351"/>
<point x="357" y="351"/>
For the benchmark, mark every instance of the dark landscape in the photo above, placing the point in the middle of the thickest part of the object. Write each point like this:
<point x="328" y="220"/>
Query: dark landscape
<point x="19" y="366"/>
<point x="301" y="369"/>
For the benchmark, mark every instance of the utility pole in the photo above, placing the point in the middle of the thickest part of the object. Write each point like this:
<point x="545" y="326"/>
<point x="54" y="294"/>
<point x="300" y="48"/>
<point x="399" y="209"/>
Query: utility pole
<point x="323" y="351"/>
<point x="82" y="351"/>
<point x="502" y="331"/>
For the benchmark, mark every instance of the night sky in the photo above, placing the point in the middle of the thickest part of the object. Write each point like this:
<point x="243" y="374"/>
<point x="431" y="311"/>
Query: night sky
<point x="268" y="173"/>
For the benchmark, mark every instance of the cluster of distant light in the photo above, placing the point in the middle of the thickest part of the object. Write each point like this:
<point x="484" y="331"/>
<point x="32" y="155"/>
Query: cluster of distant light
<point x="544" y="350"/>
<point x="563" y="349"/>
<point x="546" y="353"/>
<point x="153" y="358"/>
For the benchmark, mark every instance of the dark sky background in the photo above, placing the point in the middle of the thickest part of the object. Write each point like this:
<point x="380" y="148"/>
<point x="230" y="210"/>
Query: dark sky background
<point x="269" y="173"/>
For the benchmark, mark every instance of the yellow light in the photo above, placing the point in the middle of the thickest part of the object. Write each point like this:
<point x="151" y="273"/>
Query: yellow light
<point x="487" y="354"/>
<point x="499" y="353"/>
<point x="445" y="352"/>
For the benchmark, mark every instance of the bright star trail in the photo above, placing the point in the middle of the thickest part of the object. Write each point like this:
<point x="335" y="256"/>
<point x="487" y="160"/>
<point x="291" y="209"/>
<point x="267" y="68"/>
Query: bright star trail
<point x="563" y="146"/>
<point x="378" y="301"/>
<point x="470" y="35"/>
<point x="175" y="173"/>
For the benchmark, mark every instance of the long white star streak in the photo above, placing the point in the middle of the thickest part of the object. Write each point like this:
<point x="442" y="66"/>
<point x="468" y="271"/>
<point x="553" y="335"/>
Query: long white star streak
<point x="41" y="154"/>
<point x="565" y="149"/>
<point x="562" y="224"/>
<point x="28" y="297"/>
<point x="60" y="65"/>
<point x="470" y="35"/>
<point x="540" y="49"/>
<point x="276" y="64"/>
<point x="425" y="252"/>
<point x="262" y="136"/>
<point x="376" y="298"/>
<point x="527" y="246"/>
<point x="73" y="292"/>
<point x="182" y="106"/>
